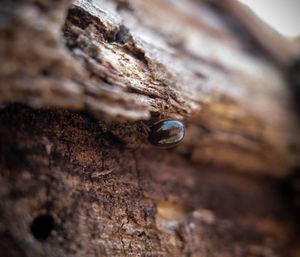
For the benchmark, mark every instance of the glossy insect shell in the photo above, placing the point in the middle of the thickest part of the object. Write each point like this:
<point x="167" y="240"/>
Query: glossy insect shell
<point x="167" y="133"/>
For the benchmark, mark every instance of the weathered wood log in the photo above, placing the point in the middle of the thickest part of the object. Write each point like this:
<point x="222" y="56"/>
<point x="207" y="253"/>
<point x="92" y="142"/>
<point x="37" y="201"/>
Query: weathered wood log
<point x="155" y="61"/>
<point x="78" y="175"/>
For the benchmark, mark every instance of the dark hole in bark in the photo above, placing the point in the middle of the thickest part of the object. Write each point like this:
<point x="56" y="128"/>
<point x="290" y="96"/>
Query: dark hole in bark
<point x="42" y="226"/>
<point x="123" y="35"/>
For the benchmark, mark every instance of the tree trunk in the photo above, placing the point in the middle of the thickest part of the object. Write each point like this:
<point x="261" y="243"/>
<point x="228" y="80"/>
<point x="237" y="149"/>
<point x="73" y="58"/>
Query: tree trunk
<point x="80" y="85"/>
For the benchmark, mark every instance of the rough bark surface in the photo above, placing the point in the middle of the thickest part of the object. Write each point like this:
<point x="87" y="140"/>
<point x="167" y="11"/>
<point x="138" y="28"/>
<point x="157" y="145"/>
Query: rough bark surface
<point x="110" y="201"/>
<point x="147" y="60"/>
<point x="78" y="176"/>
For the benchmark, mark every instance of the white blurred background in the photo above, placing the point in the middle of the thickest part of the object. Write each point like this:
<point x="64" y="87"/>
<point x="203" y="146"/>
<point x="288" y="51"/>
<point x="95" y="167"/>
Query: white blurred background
<point x="282" y="15"/>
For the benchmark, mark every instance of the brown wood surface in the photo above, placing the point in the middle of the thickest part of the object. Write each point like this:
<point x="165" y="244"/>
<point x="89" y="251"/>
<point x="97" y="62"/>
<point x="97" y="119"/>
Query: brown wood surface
<point x="79" y="85"/>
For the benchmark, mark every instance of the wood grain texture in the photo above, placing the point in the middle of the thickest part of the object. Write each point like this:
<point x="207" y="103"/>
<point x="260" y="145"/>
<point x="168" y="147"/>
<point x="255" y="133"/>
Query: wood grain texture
<point x="147" y="60"/>
<point x="79" y="85"/>
<point x="107" y="200"/>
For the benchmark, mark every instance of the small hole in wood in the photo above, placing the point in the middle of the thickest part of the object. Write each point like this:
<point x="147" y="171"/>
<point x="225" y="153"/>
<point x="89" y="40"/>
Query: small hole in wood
<point x="42" y="226"/>
<point x="123" y="35"/>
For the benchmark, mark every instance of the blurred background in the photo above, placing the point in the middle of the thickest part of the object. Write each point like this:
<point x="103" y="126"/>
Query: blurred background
<point x="282" y="15"/>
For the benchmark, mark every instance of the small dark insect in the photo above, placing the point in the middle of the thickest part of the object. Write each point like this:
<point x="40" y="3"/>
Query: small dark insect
<point x="166" y="133"/>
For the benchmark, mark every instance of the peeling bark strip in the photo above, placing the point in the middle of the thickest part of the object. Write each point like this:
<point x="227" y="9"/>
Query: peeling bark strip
<point x="78" y="176"/>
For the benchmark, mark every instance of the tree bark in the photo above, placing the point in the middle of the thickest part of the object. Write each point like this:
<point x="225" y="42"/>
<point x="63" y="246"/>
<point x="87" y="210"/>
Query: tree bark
<point x="80" y="84"/>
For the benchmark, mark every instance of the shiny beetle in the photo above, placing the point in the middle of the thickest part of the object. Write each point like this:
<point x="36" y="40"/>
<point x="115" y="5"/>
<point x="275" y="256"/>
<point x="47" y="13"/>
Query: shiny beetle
<point x="166" y="133"/>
